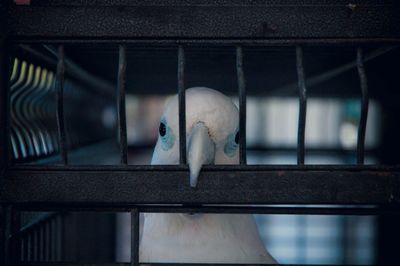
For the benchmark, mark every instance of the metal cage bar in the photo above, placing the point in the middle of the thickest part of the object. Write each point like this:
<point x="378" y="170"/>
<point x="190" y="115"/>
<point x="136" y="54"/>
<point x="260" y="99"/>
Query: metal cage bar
<point x="60" y="105"/>
<point x="4" y="139"/>
<point x="15" y="245"/>
<point x="3" y="234"/>
<point x="220" y="185"/>
<point x="148" y="264"/>
<point x="31" y="246"/>
<point x="4" y="105"/>
<point x="121" y="105"/>
<point x="302" y="106"/>
<point x="362" y="127"/>
<point x="182" y="105"/>
<point x="248" y="19"/>
<point x="242" y="104"/>
<point x="135" y="237"/>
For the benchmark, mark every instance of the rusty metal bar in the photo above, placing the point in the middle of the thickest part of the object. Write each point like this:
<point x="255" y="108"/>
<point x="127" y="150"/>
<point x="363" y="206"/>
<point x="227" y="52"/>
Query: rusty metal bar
<point x="242" y="104"/>
<point x="121" y="105"/>
<point x="302" y="106"/>
<point x="182" y="105"/>
<point x="60" y="105"/>
<point x="362" y="127"/>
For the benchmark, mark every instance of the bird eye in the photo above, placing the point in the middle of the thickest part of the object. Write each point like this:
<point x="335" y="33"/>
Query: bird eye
<point x="167" y="137"/>
<point x="162" y="129"/>
<point x="237" y="137"/>
<point x="232" y="144"/>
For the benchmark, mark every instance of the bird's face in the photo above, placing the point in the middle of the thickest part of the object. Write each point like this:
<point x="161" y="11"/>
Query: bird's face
<point x="212" y="134"/>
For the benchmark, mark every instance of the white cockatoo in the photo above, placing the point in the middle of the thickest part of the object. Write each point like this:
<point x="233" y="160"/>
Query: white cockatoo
<point x="212" y="138"/>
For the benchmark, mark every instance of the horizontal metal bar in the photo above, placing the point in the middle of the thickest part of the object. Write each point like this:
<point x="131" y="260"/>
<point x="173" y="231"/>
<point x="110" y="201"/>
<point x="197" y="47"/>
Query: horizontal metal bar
<point x="151" y="264"/>
<point x="206" y="41"/>
<point x="210" y="21"/>
<point x="359" y="210"/>
<point x="53" y="263"/>
<point x="24" y="263"/>
<point x="298" y="210"/>
<point x="203" y="3"/>
<point x="227" y="185"/>
<point x="147" y="264"/>
<point x="328" y="150"/>
<point x="205" y="168"/>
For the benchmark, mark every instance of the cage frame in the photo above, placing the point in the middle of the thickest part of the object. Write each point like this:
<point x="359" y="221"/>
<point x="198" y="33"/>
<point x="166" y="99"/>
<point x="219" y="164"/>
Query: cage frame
<point x="25" y="187"/>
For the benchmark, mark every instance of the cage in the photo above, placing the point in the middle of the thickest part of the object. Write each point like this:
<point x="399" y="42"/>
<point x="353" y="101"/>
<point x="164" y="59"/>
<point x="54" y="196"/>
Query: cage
<point x="81" y="87"/>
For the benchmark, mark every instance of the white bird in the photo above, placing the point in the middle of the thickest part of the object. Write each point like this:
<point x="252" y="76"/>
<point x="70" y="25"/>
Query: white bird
<point x="212" y="138"/>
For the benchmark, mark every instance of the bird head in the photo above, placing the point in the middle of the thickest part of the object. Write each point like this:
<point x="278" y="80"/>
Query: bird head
<point x="212" y="131"/>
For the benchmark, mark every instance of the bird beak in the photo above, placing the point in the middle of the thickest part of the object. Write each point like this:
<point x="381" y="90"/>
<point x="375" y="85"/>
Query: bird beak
<point x="200" y="151"/>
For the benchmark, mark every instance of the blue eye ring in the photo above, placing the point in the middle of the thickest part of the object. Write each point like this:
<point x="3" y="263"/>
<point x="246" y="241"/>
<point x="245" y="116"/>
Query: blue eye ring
<point x="232" y="144"/>
<point x="166" y="135"/>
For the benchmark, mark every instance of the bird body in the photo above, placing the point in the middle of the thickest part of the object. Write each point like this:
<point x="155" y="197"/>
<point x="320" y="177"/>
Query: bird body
<point x="205" y="238"/>
<point x="212" y="138"/>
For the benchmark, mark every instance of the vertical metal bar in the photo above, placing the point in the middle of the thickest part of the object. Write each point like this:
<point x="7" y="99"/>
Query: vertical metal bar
<point x="302" y="106"/>
<point x="61" y="237"/>
<point x="39" y="242"/>
<point x="242" y="104"/>
<point x="42" y="241"/>
<point x="3" y="234"/>
<point x="364" y="107"/>
<point x="121" y="104"/>
<point x="31" y="245"/>
<point x="22" y="248"/>
<point x="59" y="234"/>
<point x="182" y="105"/>
<point x="48" y="241"/>
<point x="4" y="108"/>
<point x="60" y="105"/>
<point x="52" y="242"/>
<point x="135" y="237"/>
<point x="36" y="242"/>
<point x="15" y="246"/>
<point x="26" y="246"/>
<point x="7" y="233"/>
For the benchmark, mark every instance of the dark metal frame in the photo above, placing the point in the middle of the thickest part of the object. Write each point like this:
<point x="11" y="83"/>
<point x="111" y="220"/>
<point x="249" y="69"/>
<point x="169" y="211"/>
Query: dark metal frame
<point x="132" y="188"/>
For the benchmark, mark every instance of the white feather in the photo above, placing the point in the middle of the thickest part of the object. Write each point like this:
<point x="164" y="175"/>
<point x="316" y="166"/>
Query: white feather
<point x="201" y="238"/>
